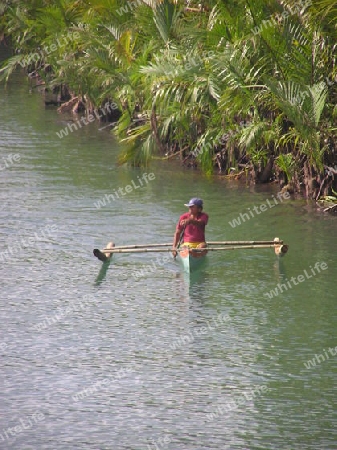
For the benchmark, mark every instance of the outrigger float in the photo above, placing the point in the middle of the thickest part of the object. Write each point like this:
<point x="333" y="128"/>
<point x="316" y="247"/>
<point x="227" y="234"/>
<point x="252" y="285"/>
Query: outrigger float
<point x="189" y="258"/>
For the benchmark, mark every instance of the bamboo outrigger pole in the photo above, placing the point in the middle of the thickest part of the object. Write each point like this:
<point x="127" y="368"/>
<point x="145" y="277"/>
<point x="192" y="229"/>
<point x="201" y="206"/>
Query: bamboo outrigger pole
<point x="244" y="242"/>
<point x="169" y="244"/>
<point x="106" y="253"/>
<point x="207" y="249"/>
<point x="141" y="246"/>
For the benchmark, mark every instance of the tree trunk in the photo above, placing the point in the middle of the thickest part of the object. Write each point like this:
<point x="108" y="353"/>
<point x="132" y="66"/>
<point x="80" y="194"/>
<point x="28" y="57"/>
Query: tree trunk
<point x="307" y="179"/>
<point x="310" y="181"/>
<point x="267" y="171"/>
<point x="155" y="131"/>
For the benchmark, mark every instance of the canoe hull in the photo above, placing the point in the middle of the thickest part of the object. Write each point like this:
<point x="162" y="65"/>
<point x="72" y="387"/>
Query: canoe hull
<point x="191" y="261"/>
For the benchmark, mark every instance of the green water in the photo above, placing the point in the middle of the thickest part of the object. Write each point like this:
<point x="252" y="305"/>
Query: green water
<point x="160" y="360"/>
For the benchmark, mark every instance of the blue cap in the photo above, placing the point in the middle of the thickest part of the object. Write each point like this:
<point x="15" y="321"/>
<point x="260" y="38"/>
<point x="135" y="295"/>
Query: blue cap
<point x="195" y="202"/>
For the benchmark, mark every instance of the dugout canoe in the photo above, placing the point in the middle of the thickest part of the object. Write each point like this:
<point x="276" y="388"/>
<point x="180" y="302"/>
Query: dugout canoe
<point x="191" y="260"/>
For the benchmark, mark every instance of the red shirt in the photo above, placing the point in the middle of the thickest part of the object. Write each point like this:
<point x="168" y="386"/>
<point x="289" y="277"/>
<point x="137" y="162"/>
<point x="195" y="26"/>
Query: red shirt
<point x="193" y="233"/>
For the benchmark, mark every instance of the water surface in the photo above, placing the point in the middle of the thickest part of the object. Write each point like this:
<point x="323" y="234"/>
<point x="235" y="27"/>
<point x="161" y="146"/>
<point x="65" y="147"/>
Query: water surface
<point x="103" y="359"/>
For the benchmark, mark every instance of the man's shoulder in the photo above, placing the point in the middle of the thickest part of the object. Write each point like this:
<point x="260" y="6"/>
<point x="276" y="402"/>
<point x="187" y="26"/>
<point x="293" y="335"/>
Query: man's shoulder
<point x="184" y="216"/>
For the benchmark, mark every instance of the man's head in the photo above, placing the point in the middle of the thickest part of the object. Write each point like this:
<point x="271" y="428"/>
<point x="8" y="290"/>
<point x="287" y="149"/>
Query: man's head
<point x="195" y="203"/>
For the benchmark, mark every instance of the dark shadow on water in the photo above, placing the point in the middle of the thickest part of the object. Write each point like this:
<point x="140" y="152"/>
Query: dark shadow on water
<point x="102" y="273"/>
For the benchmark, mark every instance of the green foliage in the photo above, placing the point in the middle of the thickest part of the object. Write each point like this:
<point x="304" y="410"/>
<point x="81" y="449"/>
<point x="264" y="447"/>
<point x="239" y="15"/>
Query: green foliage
<point x="286" y="163"/>
<point x="184" y="73"/>
<point x="165" y="16"/>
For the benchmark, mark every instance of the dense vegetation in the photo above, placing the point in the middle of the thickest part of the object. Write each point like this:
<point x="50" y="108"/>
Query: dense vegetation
<point x="243" y="87"/>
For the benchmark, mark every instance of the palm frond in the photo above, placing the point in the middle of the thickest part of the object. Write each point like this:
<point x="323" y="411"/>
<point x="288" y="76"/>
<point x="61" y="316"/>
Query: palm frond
<point x="165" y="16"/>
<point x="11" y="65"/>
<point x="318" y="96"/>
<point x="251" y="134"/>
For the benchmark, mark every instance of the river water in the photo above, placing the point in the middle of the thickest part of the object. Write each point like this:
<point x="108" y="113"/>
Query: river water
<point x="117" y="358"/>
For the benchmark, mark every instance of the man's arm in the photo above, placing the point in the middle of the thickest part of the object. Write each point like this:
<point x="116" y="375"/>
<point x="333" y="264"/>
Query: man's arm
<point x="176" y="239"/>
<point x="191" y="221"/>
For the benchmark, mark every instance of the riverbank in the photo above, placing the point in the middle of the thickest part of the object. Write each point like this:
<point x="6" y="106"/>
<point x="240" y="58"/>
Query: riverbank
<point x="232" y="97"/>
<point x="243" y="174"/>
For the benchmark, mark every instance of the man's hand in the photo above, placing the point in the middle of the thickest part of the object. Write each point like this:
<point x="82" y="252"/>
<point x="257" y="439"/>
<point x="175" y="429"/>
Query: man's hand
<point x="191" y="220"/>
<point x="187" y="221"/>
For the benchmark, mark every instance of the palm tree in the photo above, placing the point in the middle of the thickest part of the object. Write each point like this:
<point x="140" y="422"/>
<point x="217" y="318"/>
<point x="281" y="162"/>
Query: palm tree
<point x="218" y="83"/>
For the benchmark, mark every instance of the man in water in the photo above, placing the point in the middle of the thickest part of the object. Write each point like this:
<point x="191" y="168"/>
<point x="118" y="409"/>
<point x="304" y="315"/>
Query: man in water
<point x="190" y="229"/>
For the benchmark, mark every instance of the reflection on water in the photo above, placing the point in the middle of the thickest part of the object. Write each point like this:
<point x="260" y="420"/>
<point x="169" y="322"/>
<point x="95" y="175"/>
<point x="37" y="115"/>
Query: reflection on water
<point x="103" y="271"/>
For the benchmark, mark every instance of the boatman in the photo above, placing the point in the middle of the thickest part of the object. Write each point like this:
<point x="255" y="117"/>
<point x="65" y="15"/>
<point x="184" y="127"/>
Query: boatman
<point x="190" y="230"/>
